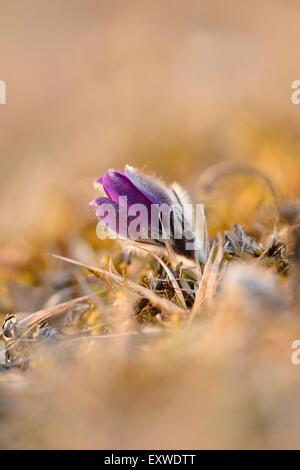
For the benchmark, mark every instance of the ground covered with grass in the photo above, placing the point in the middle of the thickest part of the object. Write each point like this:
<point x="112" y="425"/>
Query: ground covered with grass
<point x="103" y="348"/>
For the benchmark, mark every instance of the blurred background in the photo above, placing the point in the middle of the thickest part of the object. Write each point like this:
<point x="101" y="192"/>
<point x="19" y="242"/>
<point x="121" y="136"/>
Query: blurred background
<point x="169" y="86"/>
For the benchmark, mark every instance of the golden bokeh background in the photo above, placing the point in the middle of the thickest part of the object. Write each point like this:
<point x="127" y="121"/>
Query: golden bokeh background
<point x="170" y="86"/>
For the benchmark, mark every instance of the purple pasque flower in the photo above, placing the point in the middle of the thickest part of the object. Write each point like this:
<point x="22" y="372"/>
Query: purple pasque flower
<point x="145" y="203"/>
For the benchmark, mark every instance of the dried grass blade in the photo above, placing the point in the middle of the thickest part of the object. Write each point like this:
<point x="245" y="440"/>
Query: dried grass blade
<point x="172" y="278"/>
<point x="200" y="294"/>
<point x="157" y="301"/>
<point x="51" y="312"/>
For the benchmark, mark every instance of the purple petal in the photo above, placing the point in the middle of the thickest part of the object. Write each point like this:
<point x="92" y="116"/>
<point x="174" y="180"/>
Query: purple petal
<point x="98" y="183"/>
<point x="111" y="215"/>
<point x="151" y="187"/>
<point x="96" y="202"/>
<point x="116" y="184"/>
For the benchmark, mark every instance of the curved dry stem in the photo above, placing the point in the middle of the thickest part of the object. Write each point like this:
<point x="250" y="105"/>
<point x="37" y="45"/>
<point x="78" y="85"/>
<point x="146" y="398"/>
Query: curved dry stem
<point x="214" y="173"/>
